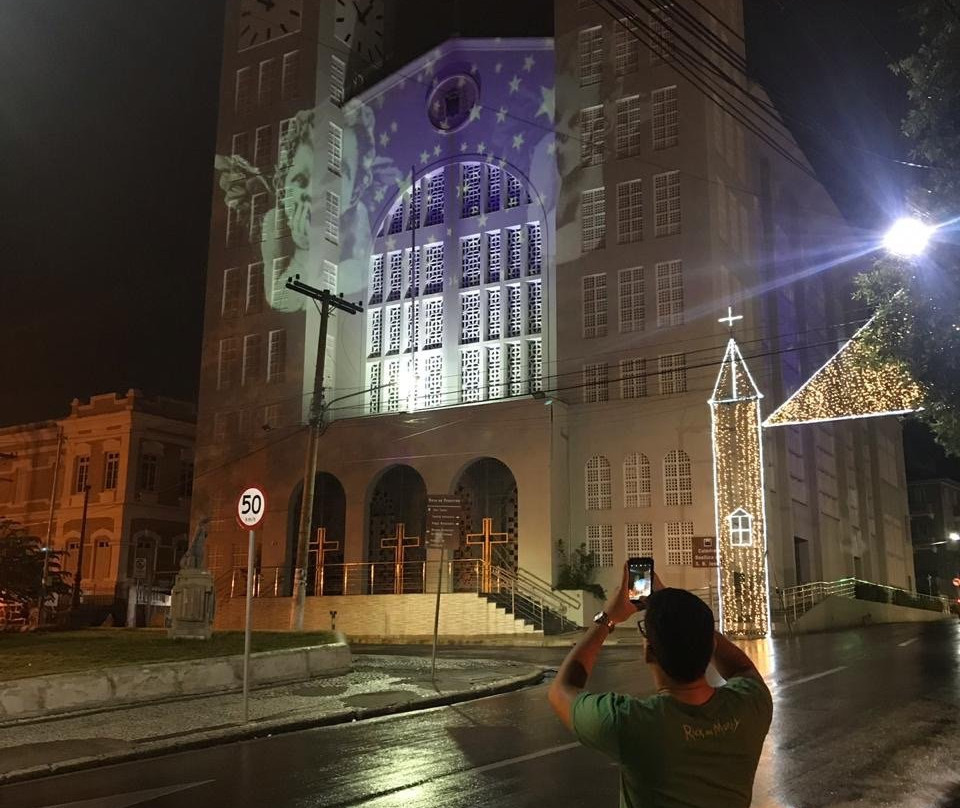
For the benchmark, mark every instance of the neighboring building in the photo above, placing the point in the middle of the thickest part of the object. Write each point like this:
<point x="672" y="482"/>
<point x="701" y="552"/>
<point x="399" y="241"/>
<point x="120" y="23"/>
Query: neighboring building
<point x="133" y="457"/>
<point x="934" y="517"/>
<point x="527" y="222"/>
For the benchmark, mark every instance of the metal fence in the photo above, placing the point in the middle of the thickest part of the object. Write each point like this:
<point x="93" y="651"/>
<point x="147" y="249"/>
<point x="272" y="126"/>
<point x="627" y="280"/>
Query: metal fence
<point x="792" y="602"/>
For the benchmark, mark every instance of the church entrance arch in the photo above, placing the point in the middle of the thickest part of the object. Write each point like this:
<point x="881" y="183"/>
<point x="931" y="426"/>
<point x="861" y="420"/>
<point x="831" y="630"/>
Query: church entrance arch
<point x="397" y="519"/>
<point x="488" y="491"/>
<point x="326" y="535"/>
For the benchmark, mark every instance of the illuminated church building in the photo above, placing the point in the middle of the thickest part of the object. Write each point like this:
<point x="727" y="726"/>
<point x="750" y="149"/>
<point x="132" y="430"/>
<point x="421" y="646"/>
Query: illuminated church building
<point x="543" y="233"/>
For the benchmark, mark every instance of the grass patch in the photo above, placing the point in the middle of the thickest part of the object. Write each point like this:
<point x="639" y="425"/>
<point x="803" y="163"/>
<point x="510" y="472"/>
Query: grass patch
<point x="42" y="653"/>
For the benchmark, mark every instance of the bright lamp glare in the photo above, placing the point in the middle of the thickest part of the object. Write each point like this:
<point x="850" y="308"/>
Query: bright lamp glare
<point x="954" y="537"/>
<point x="907" y="237"/>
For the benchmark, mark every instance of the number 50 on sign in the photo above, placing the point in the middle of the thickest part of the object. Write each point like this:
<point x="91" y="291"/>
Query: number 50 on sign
<point x="251" y="507"/>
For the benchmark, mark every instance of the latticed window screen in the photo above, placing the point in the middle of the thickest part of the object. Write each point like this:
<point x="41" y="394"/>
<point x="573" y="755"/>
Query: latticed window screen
<point x="741" y="528"/>
<point x="515" y="369"/>
<point x="600" y="543"/>
<point x="629" y="211"/>
<point x="494" y="315"/>
<point x="669" y="293"/>
<point x="376" y="332"/>
<point x="392" y="389"/>
<point x="258" y="208"/>
<point x="535" y="365"/>
<point x="334" y="148"/>
<point x="672" y="374"/>
<point x="376" y="279"/>
<point x="434" y="269"/>
<point x="470" y="189"/>
<point x="416" y="207"/>
<point x="534" y="307"/>
<point x="494" y="372"/>
<point x="666" y="203"/>
<point x="590" y="50"/>
<point x="277" y="356"/>
<point x="373" y="385"/>
<point x="433" y="381"/>
<point x="595" y="305"/>
<point x="628" y="126"/>
<point x="393" y="330"/>
<point x="396" y="219"/>
<point x="666" y="117"/>
<point x="514" y="312"/>
<point x="591" y="135"/>
<point x="632" y="303"/>
<point x="433" y="324"/>
<point x="599" y="487"/>
<point x="514" y="191"/>
<point x="413" y="272"/>
<point x="494" y="188"/>
<point x="435" y="199"/>
<point x="470" y="261"/>
<point x="230" y="300"/>
<point x="290" y="75"/>
<point x="638" y="539"/>
<point x="514" y="253"/>
<point x="411" y="316"/>
<point x="534" y="248"/>
<point x="254" y="293"/>
<point x="677" y="479"/>
<point x="679" y="543"/>
<point x="396" y="275"/>
<point x="593" y="211"/>
<point x="332" y="232"/>
<point x="661" y="36"/>
<point x="494" y="257"/>
<point x="633" y="378"/>
<point x="626" y="48"/>
<point x="596" y="386"/>
<point x="470" y="378"/>
<point x="636" y="481"/>
<point x="470" y="317"/>
<point x="278" y="288"/>
<point x="338" y="73"/>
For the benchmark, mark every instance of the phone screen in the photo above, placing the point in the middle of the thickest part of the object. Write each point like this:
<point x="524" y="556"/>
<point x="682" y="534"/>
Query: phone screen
<point x="640" y="578"/>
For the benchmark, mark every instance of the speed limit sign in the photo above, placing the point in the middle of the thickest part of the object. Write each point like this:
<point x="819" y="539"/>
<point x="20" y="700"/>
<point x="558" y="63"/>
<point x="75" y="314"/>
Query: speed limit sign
<point x="251" y="507"/>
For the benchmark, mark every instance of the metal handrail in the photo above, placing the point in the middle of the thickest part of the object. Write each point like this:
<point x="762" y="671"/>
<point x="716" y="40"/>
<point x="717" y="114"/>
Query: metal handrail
<point x="542" y="596"/>
<point x="796" y="600"/>
<point x="535" y="580"/>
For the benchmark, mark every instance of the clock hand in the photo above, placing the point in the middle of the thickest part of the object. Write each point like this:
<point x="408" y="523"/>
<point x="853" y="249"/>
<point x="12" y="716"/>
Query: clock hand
<point x="362" y="17"/>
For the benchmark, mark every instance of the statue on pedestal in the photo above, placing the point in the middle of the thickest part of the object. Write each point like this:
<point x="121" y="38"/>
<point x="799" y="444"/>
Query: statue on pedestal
<point x="193" y="596"/>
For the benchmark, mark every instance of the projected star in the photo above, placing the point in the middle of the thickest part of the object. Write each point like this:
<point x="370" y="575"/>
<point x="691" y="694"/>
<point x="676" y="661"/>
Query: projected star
<point x="463" y="147"/>
<point x="475" y="112"/>
<point x="378" y="195"/>
<point x="384" y="139"/>
<point x="528" y="63"/>
<point x="393" y="126"/>
<point x="547" y="102"/>
<point x="518" y="141"/>
<point x="424" y="157"/>
<point x="474" y="68"/>
<point x="481" y="148"/>
<point x="501" y="114"/>
<point x="514" y="84"/>
<point x="436" y="150"/>
<point x="498" y="67"/>
<point x="482" y="220"/>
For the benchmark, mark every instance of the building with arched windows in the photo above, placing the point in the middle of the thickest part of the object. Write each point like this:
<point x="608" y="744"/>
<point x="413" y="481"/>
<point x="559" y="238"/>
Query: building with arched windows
<point x="542" y="233"/>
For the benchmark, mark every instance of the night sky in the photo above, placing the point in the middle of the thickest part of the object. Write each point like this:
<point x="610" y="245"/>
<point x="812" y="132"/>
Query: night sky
<point x="106" y="150"/>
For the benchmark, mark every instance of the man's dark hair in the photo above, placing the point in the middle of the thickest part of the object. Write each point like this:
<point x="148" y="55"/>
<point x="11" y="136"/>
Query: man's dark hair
<point x="679" y="630"/>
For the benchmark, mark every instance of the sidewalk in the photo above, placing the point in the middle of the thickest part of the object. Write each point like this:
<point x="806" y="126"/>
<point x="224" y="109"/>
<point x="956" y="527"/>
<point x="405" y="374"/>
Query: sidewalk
<point x="376" y="685"/>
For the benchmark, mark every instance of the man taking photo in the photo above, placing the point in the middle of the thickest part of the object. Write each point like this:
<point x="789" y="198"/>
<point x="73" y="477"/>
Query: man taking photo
<point x="691" y="744"/>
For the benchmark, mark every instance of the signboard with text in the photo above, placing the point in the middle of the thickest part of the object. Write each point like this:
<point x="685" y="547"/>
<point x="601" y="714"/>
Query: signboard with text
<point x="444" y="517"/>
<point x="704" y="551"/>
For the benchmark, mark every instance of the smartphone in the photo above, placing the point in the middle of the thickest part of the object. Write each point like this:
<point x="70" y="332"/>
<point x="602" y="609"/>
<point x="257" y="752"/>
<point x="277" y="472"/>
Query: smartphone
<point x="639" y="578"/>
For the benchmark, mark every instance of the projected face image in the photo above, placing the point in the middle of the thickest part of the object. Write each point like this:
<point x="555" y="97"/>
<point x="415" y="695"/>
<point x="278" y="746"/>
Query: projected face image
<point x="297" y="200"/>
<point x="639" y="586"/>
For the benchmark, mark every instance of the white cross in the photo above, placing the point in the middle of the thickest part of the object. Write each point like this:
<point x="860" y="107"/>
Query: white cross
<point x="730" y="319"/>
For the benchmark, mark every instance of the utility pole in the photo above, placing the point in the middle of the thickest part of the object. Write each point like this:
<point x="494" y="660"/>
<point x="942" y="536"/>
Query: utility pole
<point x="83" y="529"/>
<point x="46" y="549"/>
<point x="327" y="299"/>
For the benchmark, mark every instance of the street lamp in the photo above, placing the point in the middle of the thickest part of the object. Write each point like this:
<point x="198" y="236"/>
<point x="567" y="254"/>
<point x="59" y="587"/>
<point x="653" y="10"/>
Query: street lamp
<point x="907" y="237"/>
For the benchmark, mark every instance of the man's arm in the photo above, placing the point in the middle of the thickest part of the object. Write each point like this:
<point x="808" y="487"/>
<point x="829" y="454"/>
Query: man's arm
<point x="731" y="661"/>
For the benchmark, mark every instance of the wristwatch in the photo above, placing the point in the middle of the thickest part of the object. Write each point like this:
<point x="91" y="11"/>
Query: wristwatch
<point x="603" y="619"/>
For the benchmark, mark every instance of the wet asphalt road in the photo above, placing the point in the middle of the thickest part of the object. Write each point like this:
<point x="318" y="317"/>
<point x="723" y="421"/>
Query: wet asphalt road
<point x="869" y="717"/>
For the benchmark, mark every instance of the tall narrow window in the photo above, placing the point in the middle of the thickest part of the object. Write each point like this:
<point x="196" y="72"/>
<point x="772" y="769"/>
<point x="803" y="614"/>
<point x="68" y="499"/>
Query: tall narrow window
<point x="278" y="288"/>
<point x="373" y="385"/>
<point x="277" y="357"/>
<point x="149" y="466"/>
<point x="395" y="288"/>
<point x="599" y="489"/>
<point x="677" y="479"/>
<point x="626" y="48"/>
<point x="638" y="538"/>
<point x="227" y="363"/>
<point x="263" y="146"/>
<point x="411" y="316"/>
<point x="741" y="528"/>
<point x="267" y="82"/>
<point x="495" y="371"/>
<point x="593" y="209"/>
<point x="413" y="272"/>
<point x="470" y="380"/>
<point x="335" y="148"/>
<point x="514" y="311"/>
<point x="629" y="211"/>
<point x="534" y="307"/>
<point x="435" y="199"/>
<point x="666" y="117"/>
<point x="672" y="374"/>
<point x="254" y="296"/>
<point x="591" y="136"/>
<point x="600" y="544"/>
<point x="470" y="189"/>
<point x="514" y="191"/>
<point x="252" y="359"/>
<point x="81" y="477"/>
<point x="514" y="253"/>
<point x="494" y="188"/>
<point x="393" y="329"/>
<point x="433" y="324"/>
<point x="666" y="203"/>
<point x="185" y="487"/>
<point x="628" y="126"/>
<point x="661" y="33"/>
<point x="470" y="261"/>
<point x="595" y="305"/>
<point x="535" y="365"/>
<point x="243" y="93"/>
<point x="240" y="145"/>
<point x="632" y="303"/>
<point x="633" y="378"/>
<point x="338" y="71"/>
<point x="469" y="317"/>
<point x="434" y="269"/>
<point x="494" y="315"/>
<point x="258" y="209"/>
<point x="679" y="537"/>
<point x="494" y="256"/>
<point x="590" y="49"/>
<point x="230" y="303"/>
<point x="375" y="336"/>
<point x="332" y="217"/>
<point x="111" y="471"/>
<point x="515" y="369"/>
<point x="433" y="381"/>
<point x="669" y="293"/>
<point x="636" y="481"/>
<point x="392" y="385"/>
<point x="290" y="75"/>
<point x="376" y="279"/>
<point x="596" y="383"/>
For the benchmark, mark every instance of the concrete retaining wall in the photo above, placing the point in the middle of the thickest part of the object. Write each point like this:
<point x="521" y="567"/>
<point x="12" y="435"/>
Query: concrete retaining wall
<point x="364" y="616"/>
<point x="836" y="612"/>
<point x="130" y="684"/>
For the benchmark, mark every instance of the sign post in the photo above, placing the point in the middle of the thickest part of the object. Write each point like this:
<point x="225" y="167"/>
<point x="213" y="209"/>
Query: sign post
<point x="704" y="551"/>
<point x="250" y="509"/>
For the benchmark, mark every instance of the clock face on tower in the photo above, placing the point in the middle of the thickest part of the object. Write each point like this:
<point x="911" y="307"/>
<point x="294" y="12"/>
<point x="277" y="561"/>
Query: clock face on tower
<point x="263" y="21"/>
<point x="358" y="24"/>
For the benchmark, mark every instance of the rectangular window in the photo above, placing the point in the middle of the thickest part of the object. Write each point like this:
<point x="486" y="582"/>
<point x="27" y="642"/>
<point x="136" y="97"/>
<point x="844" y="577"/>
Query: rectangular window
<point x="277" y="357"/>
<point x="666" y="118"/>
<point x="628" y="126"/>
<point x="494" y="188"/>
<point x="393" y="329"/>
<point x="629" y="211"/>
<point x="411" y="316"/>
<point x="376" y="279"/>
<point x="413" y="272"/>
<point x="254" y="296"/>
<point x="672" y="374"/>
<point x="590" y="49"/>
<point x="240" y="145"/>
<point x="494" y="372"/>
<point x="470" y="376"/>
<point x="395" y="286"/>
<point x="494" y="316"/>
<point x="416" y="207"/>
<point x="638" y="540"/>
<point x="243" y="93"/>
<point x="469" y="317"/>
<point x="252" y="358"/>
<point x="514" y="191"/>
<point x="534" y="248"/>
<point x="514" y="253"/>
<point x="534" y="307"/>
<point x="661" y="36"/>
<point x="632" y="303"/>
<point x="268" y="79"/>
<point x="679" y="543"/>
<point x="593" y="210"/>
<point x="233" y="227"/>
<point x="595" y="306"/>
<point x="600" y="544"/>
<point x="278" y="288"/>
<point x="470" y="261"/>
<point x="338" y="72"/>
<point x="227" y="363"/>
<point x="373" y="385"/>
<point x="494" y="256"/>
<point x="335" y="148"/>
<point x="470" y="189"/>
<point x="375" y="335"/>
<point x="433" y="324"/>
<point x="81" y="477"/>
<point x="434" y="269"/>
<point x="669" y="293"/>
<point x="596" y="385"/>
<point x="186" y="478"/>
<point x="515" y="369"/>
<point x="332" y="217"/>
<point x="435" y="199"/>
<point x="263" y="146"/>
<point x="290" y="75"/>
<point x="633" y="378"/>
<point x="392" y="385"/>
<point x="258" y="209"/>
<point x="111" y="471"/>
<point x="535" y="365"/>
<point x="230" y="303"/>
<point x="626" y="48"/>
<point x="514" y="312"/>
<point x="666" y="203"/>
<point x="591" y="136"/>
<point x="433" y="381"/>
<point x="149" y="465"/>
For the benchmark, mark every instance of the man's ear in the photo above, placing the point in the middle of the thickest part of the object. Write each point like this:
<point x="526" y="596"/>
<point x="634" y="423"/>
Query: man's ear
<point x="648" y="655"/>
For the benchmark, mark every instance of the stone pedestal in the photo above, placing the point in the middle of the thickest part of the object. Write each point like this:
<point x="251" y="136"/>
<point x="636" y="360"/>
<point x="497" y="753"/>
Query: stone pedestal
<point x="192" y="605"/>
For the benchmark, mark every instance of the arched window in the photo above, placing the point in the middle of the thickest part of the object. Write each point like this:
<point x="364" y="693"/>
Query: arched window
<point x="598" y="484"/>
<point x="741" y="528"/>
<point x="677" y="481"/>
<point x="636" y="481"/>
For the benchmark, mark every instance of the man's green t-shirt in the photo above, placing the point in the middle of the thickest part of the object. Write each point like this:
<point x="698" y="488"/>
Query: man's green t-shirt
<point x="675" y="754"/>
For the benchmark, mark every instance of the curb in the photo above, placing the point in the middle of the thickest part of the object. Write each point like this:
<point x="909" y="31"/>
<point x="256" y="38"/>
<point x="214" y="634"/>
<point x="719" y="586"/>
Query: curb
<point x="203" y="739"/>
